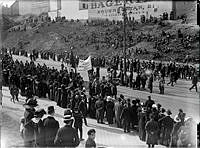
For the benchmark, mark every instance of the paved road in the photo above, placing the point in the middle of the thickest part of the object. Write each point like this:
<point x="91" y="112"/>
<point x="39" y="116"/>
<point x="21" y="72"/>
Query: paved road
<point x="105" y="136"/>
<point x="174" y="98"/>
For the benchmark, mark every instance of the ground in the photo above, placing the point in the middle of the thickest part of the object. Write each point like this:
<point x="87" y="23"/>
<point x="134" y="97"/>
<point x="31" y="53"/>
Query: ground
<point x="174" y="98"/>
<point x="60" y="37"/>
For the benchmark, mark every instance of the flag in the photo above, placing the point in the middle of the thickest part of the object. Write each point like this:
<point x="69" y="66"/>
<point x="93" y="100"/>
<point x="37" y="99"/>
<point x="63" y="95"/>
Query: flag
<point x="85" y="65"/>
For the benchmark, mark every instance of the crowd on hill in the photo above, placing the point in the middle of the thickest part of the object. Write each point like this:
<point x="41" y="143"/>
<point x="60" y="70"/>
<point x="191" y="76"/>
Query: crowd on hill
<point x="164" y="42"/>
<point x="154" y="124"/>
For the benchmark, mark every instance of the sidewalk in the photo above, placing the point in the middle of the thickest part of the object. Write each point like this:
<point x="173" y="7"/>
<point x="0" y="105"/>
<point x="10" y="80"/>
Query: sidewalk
<point x="106" y="136"/>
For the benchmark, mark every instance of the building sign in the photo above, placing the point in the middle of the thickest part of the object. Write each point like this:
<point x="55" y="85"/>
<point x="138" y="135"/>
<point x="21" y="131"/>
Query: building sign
<point x="113" y="10"/>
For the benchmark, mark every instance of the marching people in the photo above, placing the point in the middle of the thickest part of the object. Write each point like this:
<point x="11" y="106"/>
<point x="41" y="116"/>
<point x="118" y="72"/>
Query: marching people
<point x="51" y="126"/>
<point x="14" y="91"/>
<point x="161" y="85"/>
<point x="150" y="83"/>
<point x="78" y="122"/>
<point x="71" y="84"/>
<point x="194" y="82"/>
<point x="90" y="143"/>
<point x="67" y="136"/>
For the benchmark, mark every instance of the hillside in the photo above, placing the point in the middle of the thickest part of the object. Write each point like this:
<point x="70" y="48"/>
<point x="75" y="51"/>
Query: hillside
<point x="106" y="39"/>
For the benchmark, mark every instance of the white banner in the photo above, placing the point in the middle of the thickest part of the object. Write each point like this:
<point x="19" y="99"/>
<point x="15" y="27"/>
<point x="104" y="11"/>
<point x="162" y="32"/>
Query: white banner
<point x="85" y="65"/>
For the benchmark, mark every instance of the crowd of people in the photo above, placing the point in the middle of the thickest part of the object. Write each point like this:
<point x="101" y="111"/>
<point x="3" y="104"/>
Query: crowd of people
<point x="153" y="123"/>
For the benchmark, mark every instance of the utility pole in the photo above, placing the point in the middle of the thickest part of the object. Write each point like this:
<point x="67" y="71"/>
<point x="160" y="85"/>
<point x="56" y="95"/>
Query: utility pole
<point x="124" y="30"/>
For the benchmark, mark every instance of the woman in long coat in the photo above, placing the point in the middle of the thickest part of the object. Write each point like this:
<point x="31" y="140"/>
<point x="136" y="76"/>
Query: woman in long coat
<point x="152" y="129"/>
<point x="110" y="110"/>
<point x="142" y="122"/>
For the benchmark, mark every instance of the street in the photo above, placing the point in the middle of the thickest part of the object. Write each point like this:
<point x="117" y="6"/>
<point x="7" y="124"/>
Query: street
<point x="174" y="98"/>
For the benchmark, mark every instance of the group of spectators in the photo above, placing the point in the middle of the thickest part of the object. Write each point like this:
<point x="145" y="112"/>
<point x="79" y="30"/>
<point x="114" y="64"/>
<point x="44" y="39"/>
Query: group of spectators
<point x="154" y="123"/>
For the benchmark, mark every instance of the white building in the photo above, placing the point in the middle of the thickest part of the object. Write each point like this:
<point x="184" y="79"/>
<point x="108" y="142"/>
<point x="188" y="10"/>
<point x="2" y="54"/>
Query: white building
<point x="112" y="10"/>
<point x="71" y="9"/>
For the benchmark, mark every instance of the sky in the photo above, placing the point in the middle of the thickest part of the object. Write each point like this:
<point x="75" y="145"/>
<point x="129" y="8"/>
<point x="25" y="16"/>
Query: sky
<point x="7" y="2"/>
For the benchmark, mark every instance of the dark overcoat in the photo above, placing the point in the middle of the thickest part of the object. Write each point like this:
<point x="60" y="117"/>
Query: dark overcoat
<point x="51" y="127"/>
<point x="110" y="111"/>
<point x="152" y="129"/>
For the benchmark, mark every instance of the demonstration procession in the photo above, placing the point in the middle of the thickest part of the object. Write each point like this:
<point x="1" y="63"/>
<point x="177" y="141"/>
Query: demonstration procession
<point x="116" y="95"/>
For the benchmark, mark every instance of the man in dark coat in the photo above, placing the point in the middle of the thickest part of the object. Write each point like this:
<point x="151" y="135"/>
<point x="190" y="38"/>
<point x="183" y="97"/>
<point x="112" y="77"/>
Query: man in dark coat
<point x="134" y="115"/>
<point x="83" y="107"/>
<point x="150" y="84"/>
<point x="152" y="129"/>
<point x="194" y="82"/>
<point x="78" y="122"/>
<point x="126" y="117"/>
<point x="110" y="110"/>
<point x="149" y="102"/>
<point x="138" y="81"/>
<point x="67" y="135"/>
<point x="166" y="125"/>
<point x="51" y="127"/>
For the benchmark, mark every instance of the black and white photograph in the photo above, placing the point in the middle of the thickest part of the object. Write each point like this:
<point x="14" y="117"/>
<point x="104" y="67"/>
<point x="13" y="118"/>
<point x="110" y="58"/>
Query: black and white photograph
<point x="99" y="73"/>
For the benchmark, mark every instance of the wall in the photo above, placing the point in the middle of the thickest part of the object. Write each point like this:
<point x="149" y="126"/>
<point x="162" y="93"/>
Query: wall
<point x="25" y="7"/>
<point x="186" y="7"/>
<point x="15" y="8"/>
<point x="105" y="10"/>
<point x="40" y="6"/>
<point x="70" y="9"/>
<point x="6" y="10"/>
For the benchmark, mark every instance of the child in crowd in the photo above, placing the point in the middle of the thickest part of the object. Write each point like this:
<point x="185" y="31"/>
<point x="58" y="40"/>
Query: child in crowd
<point x="90" y="143"/>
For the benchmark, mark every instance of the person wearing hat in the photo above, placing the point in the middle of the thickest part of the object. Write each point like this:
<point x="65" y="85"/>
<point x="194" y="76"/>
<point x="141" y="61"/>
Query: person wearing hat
<point x="166" y="125"/>
<point x="29" y="109"/>
<point x="51" y="127"/>
<point x="152" y="129"/>
<point x="141" y="123"/>
<point x="126" y="117"/>
<point x="179" y="121"/>
<point x="33" y="133"/>
<point x="187" y="134"/>
<point x="99" y="105"/>
<point x="194" y="82"/>
<point x="78" y="122"/>
<point x="149" y="102"/>
<point x="110" y="110"/>
<point x="150" y="83"/>
<point x="118" y="109"/>
<point x="67" y="136"/>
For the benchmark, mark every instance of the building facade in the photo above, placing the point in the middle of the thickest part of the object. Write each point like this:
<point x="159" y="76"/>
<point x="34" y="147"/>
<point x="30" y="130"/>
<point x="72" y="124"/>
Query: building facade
<point x="23" y="7"/>
<point x="71" y="9"/>
<point x="112" y="10"/>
